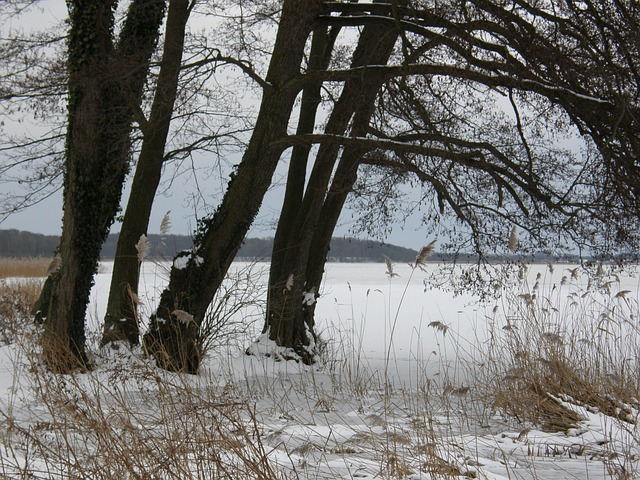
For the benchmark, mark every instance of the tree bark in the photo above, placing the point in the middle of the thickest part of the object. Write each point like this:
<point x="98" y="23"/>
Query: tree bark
<point x="344" y="179"/>
<point x="196" y="277"/>
<point x="121" y="319"/>
<point x="292" y="293"/>
<point x="321" y="50"/>
<point x="98" y="150"/>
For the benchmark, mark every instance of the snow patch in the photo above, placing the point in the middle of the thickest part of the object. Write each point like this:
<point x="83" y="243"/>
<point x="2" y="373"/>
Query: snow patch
<point x="181" y="262"/>
<point x="308" y="298"/>
<point x="264" y="347"/>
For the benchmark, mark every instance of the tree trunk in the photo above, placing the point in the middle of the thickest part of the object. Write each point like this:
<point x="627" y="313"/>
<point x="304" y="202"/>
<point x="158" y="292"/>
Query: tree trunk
<point x="344" y="179"/>
<point x="321" y="49"/>
<point x="286" y="280"/>
<point x="292" y="293"/>
<point x="121" y="319"/>
<point x="98" y="149"/>
<point x="219" y="237"/>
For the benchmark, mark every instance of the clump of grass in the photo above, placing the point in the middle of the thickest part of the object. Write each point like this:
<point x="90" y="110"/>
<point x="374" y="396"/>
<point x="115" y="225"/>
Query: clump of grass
<point x="16" y="300"/>
<point x="24" y="267"/>
<point x="564" y="344"/>
<point x="94" y="426"/>
<point x="127" y="419"/>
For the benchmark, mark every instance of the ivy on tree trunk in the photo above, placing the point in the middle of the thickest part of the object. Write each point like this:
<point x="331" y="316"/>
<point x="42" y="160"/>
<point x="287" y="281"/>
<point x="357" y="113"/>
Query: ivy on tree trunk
<point x="97" y="156"/>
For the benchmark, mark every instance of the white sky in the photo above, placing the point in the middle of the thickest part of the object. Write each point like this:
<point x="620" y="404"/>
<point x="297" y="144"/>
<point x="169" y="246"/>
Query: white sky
<point x="46" y="217"/>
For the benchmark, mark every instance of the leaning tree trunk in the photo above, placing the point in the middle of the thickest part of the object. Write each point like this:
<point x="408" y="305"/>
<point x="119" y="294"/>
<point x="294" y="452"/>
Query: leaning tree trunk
<point x="344" y="180"/>
<point x="196" y="277"/>
<point x="292" y="293"/>
<point x="121" y="319"/>
<point x="97" y="154"/>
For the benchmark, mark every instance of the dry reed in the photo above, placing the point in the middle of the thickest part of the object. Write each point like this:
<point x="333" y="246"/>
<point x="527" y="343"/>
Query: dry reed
<point x="24" y="267"/>
<point x="17" y="298"/>
<point x="138" y="422"/>
<point x="563" y="343"/>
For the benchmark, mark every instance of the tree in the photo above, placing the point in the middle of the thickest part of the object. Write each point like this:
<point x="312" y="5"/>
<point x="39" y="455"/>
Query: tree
<point x="196" y="276"/>
<point x="490" y="173"/>
<point x="453" y="64"/>
<point x="180" y="125"/>
<point x="121" y="320"/>
<point x="105" y="84"/>
<point x="291" y="294"/>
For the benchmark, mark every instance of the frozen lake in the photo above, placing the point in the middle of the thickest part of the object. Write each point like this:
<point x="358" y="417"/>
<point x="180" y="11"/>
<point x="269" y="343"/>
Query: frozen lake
<point x="364" y="314"/>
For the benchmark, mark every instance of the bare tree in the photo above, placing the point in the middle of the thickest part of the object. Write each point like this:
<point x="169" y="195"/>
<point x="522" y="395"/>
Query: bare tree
<point x="437" y="121"/>
<point x="433" y="109"/>
<point x="121" y="320"/>
<point x="288" y="323"/>
<point x="106" y="79"/>
<point x="182" y="124"/>
<point x="196" y="276"/>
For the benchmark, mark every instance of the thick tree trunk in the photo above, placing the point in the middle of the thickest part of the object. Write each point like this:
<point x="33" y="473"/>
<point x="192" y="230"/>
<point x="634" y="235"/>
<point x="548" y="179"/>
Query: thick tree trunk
<point x="96" y="168"/>
<point x="297" y="172"/>
<point x="292" y="293"/>
<point x="121" y="319"/>
<point x="190" y="291"/>
<point x="321" y="49"/>
<point x="98" y="149"/>
<point x="286" y="280"/>
<point x="91" y="91"/>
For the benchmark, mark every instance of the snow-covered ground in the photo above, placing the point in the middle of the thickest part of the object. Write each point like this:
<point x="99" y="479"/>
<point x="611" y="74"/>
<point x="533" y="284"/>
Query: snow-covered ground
<point x="399" y="392"/>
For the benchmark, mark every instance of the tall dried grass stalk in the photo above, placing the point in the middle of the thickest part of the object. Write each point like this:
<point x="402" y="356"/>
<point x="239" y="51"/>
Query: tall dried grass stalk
<point x="425" y="252"/>
<point x="563" y="341"/>
<point x="90" y="429"/>
<point x="165" y="224"/>
<point x="289" y="284"/>
<point x="390" y="273"/>
<point x="513" y="240"/>
<point x="16" y="301"/>
<point x="55" y="265"/>
<point x="142" y="247"/>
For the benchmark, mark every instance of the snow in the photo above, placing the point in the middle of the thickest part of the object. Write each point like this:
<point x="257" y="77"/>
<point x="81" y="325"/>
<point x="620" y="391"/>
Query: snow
<point x="395" y="395"/>
<point x="308" y="298"/>
<point x="182" y="260"/>
<point x="264" y="347"/>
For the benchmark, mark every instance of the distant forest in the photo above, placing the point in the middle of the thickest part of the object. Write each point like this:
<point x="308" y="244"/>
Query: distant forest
<point x="16" y="243"/>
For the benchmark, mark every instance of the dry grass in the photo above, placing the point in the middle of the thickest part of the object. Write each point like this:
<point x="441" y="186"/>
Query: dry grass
<point x="564" y="343"/>
<point x="16" y="300"/>
<point x="127" y="419"/>
<point x="130" y="420"/>
<point x="24" y="267"/>
<point x="93" y="430"/>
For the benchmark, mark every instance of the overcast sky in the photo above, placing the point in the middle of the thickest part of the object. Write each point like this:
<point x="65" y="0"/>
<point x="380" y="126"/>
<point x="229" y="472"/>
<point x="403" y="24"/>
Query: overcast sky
<point x="46" y="217"/>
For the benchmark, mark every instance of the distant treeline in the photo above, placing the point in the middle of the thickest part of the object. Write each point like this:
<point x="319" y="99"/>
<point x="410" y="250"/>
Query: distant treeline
<point x="16" y="243"/>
